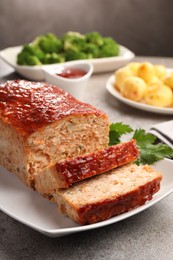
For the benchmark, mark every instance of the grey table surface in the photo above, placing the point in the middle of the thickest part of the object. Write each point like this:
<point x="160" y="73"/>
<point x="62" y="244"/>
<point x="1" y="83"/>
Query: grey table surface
<point x="147" y="235"/>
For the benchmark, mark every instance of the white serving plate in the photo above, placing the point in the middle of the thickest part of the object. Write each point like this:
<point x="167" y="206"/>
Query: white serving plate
<point x="9" y="55"/>
<point x="112" y="90"/>
<point x="31" y="209"/>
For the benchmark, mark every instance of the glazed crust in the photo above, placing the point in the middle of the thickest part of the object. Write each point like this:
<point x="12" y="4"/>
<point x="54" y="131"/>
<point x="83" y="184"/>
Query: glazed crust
<point x="93" y="213"/>
<point x="109" y="194"/>
<point x="68" y="172"/>
<point x="41" y="124"/>
<point x="88" y="165"/>
<point x="28" y="106"/>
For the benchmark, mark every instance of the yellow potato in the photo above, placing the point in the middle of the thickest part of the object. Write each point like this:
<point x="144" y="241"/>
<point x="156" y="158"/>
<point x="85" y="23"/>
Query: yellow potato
<point x="134" y="67"/>
<point x="168" y="80"/>
<point x="146" y="71"/>
<point x="155" y="80"/>
<point x="160" y="71"/>
<point x="158" y="95"/>
<point x="121" y="75"/>
<point x="134" y="88"/>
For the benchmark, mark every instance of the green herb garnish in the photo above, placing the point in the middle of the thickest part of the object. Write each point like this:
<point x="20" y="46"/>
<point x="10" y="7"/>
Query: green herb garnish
<point x="150" y="152"/>
<point x="116" y="131"/>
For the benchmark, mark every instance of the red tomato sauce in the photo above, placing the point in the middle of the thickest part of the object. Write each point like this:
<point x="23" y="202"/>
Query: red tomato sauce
<point x="71" y="73"/>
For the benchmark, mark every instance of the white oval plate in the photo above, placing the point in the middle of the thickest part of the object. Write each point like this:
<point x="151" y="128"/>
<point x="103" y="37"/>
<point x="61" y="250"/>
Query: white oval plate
<point x="28" y="207"/>
<point x="112" y="90"/>
<point x="9" y="55"/>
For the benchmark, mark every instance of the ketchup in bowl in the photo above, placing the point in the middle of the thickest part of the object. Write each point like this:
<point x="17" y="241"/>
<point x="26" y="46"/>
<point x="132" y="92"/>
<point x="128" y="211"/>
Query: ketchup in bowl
<point x="71" y="73"/>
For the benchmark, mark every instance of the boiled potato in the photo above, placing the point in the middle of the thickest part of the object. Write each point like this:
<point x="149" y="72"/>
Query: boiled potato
<point x="146" y="82"/>
<point x="134" y="67"/>
<point x="160" y="71"/>
<point x="146" y="71"/>
<point x="168" y="80"/>
<point x="155" y="80"/>
<point x="134" y="88"/>
<point x="121" y="75"/>
<point x="158" y="95"/>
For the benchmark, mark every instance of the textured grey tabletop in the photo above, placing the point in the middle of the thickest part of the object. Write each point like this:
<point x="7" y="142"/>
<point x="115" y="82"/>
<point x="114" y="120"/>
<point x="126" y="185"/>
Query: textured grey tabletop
<point x="147" y="235"/>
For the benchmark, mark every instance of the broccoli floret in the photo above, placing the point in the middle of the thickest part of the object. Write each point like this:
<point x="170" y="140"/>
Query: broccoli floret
<point x="33" y="60"/>
<point x="25" y="58"/>
<point x="30" y="56"/>
<point x="34" y="50"/>
<point x="71" y="55"/>
<point x="92" y="50"/>
<point x="47" y="49"/>
<point x="49" y="43"/>
<point x="109" y="48"/>
<point x="53" y="58"/>
<point x="73" y="43"/>
<point x="95" y="38"/>
<point x="89" y="56"/>
<point x="51" y="36"/>
<point x="109" y="40"/>
<point x="22" y="58"/>
<point x="37" y="40"/>
<point x="74" y="34"/>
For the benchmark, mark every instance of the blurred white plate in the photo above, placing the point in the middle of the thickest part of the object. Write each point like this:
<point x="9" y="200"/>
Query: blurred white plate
<point x="112" y="90"/>
<point x="31" y="209"/>
<point x="35" y="72"/>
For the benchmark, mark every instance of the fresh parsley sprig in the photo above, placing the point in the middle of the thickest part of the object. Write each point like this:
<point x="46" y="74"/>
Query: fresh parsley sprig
<point x="116" y="131"/>
<point x="150" y="152"/>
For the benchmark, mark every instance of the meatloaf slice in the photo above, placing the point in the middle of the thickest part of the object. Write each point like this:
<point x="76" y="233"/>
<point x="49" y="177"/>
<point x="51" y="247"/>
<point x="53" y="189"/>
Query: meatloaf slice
<point x="41" y="124"/>
<point x="64" y="174"/>
<point x="106" y="195"/>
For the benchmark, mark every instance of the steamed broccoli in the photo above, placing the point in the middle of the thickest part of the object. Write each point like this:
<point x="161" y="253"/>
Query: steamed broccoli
<point x="92" y="50"/>
<point x="95" y="38"/>
<point x="47" y="49"/>
<point x="30" y="56"/>
<point x="33" y="60"/>
<point x="74" y="34"/>
<point x="109" y="48"/>
<point x="73" y="42"/>
<point x="36" y="51"/>
<point x="49" y="43"/>
<point x="53" y="58"/>
<point x="71" y="55"/>
<point x="27" y="59"/>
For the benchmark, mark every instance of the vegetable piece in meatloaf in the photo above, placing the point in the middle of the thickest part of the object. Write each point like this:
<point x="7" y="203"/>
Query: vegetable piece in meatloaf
<point x="41" y="124"/>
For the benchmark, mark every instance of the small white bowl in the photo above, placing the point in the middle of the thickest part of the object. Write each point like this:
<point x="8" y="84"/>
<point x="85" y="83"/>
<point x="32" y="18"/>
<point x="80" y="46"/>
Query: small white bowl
<point x="74" y="86"/>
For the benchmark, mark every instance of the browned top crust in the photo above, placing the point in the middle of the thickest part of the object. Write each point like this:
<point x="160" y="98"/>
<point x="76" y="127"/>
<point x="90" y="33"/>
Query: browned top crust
<point x="82" y="167"/>
<point x="28" y="106"/>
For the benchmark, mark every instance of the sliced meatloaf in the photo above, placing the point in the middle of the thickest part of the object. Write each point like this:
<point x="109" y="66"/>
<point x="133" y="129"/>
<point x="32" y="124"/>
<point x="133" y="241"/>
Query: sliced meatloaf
<point x="41" y="124"/>
<point x="106" y="195"/>
<point x="64" y="174"/>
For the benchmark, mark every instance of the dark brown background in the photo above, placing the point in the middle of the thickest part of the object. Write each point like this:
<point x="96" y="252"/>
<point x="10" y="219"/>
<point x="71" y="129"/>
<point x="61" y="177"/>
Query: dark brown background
<point x="145" y="27"/>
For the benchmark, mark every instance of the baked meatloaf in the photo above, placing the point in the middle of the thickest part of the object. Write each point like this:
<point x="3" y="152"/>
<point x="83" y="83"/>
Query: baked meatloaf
<point x="41" y="124"/>
<point x="64" y="174"/>
<point x="109" y="194"/>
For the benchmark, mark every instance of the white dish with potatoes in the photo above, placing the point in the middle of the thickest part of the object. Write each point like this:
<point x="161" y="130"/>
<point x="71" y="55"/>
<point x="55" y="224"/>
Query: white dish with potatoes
<point x="154" y="95"/>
